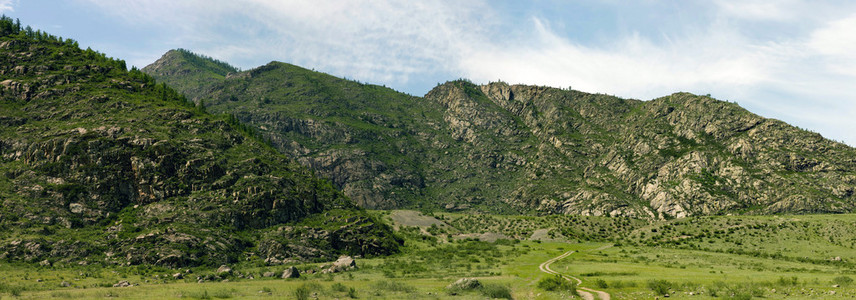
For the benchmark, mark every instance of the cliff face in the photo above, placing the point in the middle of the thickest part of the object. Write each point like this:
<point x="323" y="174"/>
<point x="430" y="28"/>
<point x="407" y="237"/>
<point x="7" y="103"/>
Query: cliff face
<point x="516" y="148"/>
<point x="98" y="164"/>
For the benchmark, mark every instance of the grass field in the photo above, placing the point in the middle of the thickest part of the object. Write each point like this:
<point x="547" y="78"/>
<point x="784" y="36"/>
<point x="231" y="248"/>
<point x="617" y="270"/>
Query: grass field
<point x="727" y="257"/>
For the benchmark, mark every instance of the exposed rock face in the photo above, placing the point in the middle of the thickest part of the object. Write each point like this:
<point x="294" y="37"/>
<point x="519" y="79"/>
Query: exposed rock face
<point x="504" y="148"/>
<point x="100" y="163"/>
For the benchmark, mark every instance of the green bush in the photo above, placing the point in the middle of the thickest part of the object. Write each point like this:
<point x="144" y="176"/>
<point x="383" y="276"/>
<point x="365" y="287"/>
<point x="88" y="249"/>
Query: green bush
<point x="600" y="283"/>
<point x="788" y="281"/>
<point x="661" y="287"/>
<point x="302" y="293"/>
<point x="842" y="280"/>
<point x="495" y="291"/>
<point x="556" y="283"/>
<point x="393" y="286"/>
<point x="339" y="287"/>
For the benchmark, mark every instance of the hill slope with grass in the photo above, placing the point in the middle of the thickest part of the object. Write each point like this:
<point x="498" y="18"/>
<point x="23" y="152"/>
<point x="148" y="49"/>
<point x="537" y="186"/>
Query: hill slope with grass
<point x="517" y="148"/>
<point x="101" y="164"/>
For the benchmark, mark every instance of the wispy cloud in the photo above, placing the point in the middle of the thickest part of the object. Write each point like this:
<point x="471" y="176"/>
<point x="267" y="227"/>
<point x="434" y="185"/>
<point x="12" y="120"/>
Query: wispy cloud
<point x="7" y="6"/>
<point x="379" y="41"/>
<point x="790" y="59"/>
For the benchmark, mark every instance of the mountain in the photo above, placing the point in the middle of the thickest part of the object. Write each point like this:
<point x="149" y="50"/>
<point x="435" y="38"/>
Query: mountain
<point x="101" y="164"/>
<point x="517" y="148"/>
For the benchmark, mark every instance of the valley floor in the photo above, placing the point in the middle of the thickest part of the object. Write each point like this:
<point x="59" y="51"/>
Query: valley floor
<point x="805" y="257"/>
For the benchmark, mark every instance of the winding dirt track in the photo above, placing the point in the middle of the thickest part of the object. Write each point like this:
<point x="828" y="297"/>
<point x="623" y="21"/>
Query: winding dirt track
<point x="585" y="292"/>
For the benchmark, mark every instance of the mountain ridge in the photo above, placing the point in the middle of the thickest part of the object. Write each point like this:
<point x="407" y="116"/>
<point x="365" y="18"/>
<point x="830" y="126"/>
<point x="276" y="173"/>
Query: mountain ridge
<point x="517" y="148"/>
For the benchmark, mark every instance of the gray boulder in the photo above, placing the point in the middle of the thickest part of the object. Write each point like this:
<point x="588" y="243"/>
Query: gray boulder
<point x="291" y="272"/>
<point x="465" y="284"/>
<point x="224" y="270"/>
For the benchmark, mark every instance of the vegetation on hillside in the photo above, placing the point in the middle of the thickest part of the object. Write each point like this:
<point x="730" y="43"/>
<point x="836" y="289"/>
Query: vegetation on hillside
<point x="500" y="148"/>
<point x="101" y="165"/>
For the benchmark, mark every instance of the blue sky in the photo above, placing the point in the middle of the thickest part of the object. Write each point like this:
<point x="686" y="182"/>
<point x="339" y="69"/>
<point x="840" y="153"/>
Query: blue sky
<point x="792" y="60"/>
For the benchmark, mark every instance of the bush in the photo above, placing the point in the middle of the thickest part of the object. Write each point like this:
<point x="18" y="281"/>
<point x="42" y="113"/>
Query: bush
<point x="660" y="287"/>
<point x="393" y="286"/>
<point x="496" y="291"/>
<point x="339" y="287"/>
<point x="556" y="283"/>
<point x="600" y="283"/>
<point x="788" y="281"/>
<point x="301" y="293"/>
<point x="842" y="280"/>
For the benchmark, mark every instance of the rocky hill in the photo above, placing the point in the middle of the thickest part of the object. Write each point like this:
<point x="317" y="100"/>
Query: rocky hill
<point x="102" y="165"/>
<point x="517" y="148"/>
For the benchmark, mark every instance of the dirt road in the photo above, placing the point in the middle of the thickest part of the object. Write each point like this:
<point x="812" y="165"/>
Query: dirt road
<point x="584" y="292"/>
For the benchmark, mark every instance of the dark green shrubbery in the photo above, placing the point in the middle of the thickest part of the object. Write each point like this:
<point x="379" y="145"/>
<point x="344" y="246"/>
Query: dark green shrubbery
<point x="660" y="287"/>
<point x="556" y="283"/>
<point x="496" y="291"/>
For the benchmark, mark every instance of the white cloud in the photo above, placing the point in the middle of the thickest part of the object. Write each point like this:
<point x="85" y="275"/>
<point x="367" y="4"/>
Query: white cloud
<point x="632" y="66"/>
<point x="767" y="10"/>
<point x="378" y="41"/>
<point x="7" y="6"/>
<point x="792" y="59"/>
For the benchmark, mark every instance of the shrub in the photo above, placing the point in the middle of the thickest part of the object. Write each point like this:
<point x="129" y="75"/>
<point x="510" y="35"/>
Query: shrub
<point x="842" y="280"/>
<point x="496" y="291"/>
<point x="660" y="287"/>
<point x="788" y="281"/>
<point x="393" y="286"/>
<point x="301" y="293"/>
<point x="557" y="283"/>
<point x="600" y="283"/>
<point x="339" y="287"/>
<point x="223" y="294"/>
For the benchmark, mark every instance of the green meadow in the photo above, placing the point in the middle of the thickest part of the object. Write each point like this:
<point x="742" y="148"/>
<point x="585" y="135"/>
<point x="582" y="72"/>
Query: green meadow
<point x="721" y="257"/>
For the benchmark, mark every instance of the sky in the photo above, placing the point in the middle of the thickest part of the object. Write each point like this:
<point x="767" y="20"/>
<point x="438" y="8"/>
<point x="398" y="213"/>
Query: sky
<point x="791" y="60"/>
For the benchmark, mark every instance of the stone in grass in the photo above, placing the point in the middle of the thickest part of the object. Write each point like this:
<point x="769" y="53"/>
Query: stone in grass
<point x="464" y="284"/>
<point x="224" y="270"/>
<point x="268" y="274"/>
<point x="344" y="263"/>
<point x="123" y="283"/>
<point x="291" y="272"/>
<point x="178" y="276"/>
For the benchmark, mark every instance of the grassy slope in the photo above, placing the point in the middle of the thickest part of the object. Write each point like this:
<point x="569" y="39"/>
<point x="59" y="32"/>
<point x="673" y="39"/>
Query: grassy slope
<point x="625" y="267"/>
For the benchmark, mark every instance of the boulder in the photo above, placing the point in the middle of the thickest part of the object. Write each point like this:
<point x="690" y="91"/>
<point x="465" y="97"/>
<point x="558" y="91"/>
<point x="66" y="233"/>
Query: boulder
<point x="177" y="276"/>
<point x="344" y="263"/>
<point x="123" y="283"/>
<point x="224" y="270"/>
<point x="268" y="274"/>
<point x="464" y="284"/>
<point x="291" y="272"/>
